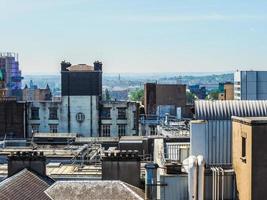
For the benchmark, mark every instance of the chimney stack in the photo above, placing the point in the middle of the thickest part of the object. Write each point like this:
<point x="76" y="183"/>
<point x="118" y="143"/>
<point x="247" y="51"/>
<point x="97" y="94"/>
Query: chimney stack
<point x="33" y="161"/>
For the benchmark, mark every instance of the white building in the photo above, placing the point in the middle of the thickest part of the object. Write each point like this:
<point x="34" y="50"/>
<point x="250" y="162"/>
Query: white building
<point x="80" y="109"/>
<point x="117" y="118"/>
<point x="250" y="85"/>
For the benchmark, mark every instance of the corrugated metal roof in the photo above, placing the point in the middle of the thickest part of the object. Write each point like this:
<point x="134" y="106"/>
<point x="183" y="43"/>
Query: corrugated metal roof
<point x="212" y="110"/>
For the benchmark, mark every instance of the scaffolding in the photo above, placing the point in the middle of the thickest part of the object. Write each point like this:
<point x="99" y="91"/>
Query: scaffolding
<point x="10" y="72"/>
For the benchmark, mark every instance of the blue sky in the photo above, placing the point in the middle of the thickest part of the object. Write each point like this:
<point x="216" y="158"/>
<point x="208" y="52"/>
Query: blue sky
<point x="136" y="35"/>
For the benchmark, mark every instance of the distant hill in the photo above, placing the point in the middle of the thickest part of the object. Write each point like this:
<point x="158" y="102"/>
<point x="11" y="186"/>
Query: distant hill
<point x="210" y="80"/>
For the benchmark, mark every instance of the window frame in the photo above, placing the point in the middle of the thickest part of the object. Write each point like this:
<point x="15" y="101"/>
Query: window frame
<point x="107" y="115"/>
<point x="35" y="109"/>
<point x="55" y="109"/>
<point x="121" y="129"/>
<point x="122" y="113"/>
<point x="38" y="128"/>
<point x="105" y="130"/>
<point x="53" y="128"/>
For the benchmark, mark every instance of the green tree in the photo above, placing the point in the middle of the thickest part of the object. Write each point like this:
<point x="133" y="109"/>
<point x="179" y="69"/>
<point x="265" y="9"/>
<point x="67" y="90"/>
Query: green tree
<point x="137" y="95"/>
<point x="190" y="97"/>
<point x="107" y="95"/>
<point x="213" y="95"/>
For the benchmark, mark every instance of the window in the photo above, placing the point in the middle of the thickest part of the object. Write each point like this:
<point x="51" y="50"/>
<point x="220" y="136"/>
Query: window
<point x="121" y="113"/>
<point x="121" y="130"/>
<point x="134" y="120"/>
<point x="35" y="128"/>
<point x="152" y="130"/>
<point x="105" y="128"/>
<point x="53" y="113"/>
<point x="243" y="154"/>
<point x="53" y="128"/>
<point x="105" y="113"/>
<point x="35" y="113"/>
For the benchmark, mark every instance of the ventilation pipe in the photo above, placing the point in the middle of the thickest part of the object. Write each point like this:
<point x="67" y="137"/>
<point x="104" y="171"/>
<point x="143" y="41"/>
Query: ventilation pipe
<point x="201" y="177"/>
<point x="192" y="177"/>
<point x="151" y="181"/>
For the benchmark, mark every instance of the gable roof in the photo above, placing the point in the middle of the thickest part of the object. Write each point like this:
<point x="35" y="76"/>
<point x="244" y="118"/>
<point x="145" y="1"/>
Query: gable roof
<point x="79" y="190"/>
<point x="24" y="185"/>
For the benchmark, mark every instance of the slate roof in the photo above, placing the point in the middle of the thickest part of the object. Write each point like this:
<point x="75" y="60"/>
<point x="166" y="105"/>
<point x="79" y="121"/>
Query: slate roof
<point x="86" y="190"/>
<point x="25" y="185"/>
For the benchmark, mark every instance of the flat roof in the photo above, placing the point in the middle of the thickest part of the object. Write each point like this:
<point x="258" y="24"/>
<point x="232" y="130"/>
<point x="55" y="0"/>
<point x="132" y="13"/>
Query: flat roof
<point x="250" y="120"/>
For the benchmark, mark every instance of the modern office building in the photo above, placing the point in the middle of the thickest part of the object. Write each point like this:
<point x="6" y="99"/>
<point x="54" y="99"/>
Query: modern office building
<point x="250" y="85"/>
<point x="249" y="157"/>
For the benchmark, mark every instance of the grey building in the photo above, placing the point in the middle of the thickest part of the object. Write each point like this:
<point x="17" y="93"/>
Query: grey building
<point x="250" y="85"/>
<point x="211" y="131"/>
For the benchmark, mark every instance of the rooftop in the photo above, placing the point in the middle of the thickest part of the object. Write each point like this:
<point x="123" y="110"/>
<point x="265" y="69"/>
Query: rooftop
<point x="24" y="185"/>
<point x="80" y="67"/>
<point x="79" y="190"/>
<point x="251" y="120"/>
<point x="224" y="110"/>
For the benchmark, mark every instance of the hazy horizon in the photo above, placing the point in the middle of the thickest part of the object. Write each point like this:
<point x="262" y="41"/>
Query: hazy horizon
<point x="136" y="36"/>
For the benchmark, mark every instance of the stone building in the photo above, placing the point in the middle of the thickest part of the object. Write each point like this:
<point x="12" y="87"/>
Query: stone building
<point x="36" y="94"/>
<point x="80" y="109"/>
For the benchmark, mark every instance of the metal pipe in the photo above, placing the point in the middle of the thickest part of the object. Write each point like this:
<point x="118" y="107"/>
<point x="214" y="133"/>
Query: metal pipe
<point x="218" y="183"/>
<point x="222" y="182"/>
<point x="201" y="177"/>
<point x="213" y="183"/>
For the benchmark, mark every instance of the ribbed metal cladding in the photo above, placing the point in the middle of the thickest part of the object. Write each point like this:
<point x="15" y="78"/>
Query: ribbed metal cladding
<point x="224" y="110"/>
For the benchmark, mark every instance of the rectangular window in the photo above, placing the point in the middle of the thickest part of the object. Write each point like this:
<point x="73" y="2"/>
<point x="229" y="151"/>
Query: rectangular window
<point x="53" y="128"/>
<point x="134" y="120"/>
<point x="153" y="130"/>
<point x="105" y="113"/>
<point x="121" y="130"/>
<point x="105" y="130"/>
<point x="35" y="113"/>
<point x="35" y="128"/>
<point x="53" y="113"/>
<point x="121" y="113"/>
<point x="244" y="141"/>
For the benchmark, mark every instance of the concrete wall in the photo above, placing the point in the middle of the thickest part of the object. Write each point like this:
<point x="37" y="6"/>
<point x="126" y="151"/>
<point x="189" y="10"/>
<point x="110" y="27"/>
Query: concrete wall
<point x="251" y="170"/>
<point x="88" y="105"/>
<point x="242" y="169"/>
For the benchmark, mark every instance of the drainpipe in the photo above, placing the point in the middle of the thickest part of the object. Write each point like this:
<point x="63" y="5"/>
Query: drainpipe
<point x="201" y="177"/>
<point x="222" y="181"/>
